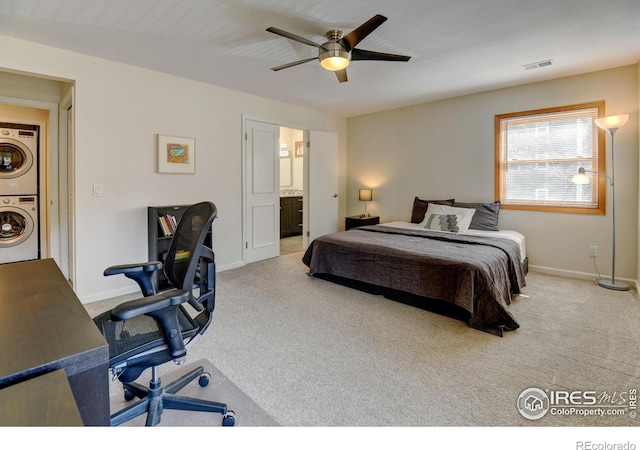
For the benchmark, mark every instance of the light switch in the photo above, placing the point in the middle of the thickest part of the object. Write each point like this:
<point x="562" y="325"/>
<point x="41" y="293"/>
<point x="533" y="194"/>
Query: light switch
<point x="97" y="190"/>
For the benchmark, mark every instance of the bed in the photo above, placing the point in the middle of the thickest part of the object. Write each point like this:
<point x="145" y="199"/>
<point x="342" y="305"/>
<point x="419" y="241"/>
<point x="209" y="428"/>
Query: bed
<point x="476" y="268"/>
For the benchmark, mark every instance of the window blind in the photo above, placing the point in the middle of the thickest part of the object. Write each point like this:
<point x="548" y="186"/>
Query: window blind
<point x="539" y="152"/>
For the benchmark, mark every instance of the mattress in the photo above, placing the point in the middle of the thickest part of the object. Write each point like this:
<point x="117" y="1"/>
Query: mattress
<point x="502" y="234"/>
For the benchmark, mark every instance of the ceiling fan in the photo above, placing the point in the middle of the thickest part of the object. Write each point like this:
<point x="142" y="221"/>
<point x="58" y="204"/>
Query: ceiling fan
<point x="336" y="54"/>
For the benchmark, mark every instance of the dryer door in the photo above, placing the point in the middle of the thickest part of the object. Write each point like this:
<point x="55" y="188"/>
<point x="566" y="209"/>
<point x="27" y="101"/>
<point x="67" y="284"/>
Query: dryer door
<point x="15" y="158"/>
<point x="16" y="225"/>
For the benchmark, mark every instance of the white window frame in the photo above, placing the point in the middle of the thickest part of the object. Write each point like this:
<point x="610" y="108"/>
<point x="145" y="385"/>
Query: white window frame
<point x="596" y="161"/>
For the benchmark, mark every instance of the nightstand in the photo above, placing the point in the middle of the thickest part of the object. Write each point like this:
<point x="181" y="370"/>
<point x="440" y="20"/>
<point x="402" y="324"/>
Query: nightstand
<point x="359" y="221"/>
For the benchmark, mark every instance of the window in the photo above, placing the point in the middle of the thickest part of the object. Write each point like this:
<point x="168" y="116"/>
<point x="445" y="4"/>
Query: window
<point x="538" y="152"/>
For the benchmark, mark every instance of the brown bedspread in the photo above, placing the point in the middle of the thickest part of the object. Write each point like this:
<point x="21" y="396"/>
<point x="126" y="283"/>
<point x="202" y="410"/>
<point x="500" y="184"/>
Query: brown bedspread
<point x="478" y="274"/>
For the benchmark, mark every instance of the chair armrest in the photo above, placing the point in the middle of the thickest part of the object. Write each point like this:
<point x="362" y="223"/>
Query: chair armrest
<point x="163" y="308"/>
<point x="149" y="266"/>
<point x="141" y="273"/>
<point x="146" y="305"/>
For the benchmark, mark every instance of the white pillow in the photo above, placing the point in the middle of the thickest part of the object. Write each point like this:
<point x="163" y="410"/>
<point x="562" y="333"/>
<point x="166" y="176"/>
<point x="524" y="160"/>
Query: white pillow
<point x="443" y="222"/>
<point x="465" y="213"/>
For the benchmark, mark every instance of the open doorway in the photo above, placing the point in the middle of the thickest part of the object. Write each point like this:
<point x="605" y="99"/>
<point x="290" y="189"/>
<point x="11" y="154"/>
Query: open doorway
<point x="31" y="128"/>
<point x="26" y="99"/>
<point x="318" y="155"/>
<point x="291" y="190"/>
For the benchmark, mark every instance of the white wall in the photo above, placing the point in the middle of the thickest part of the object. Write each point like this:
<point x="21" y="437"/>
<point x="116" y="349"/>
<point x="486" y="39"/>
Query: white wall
<point x="32" y="88"/>
<point x="119" y="109"/>
<point x="445" y="149"/>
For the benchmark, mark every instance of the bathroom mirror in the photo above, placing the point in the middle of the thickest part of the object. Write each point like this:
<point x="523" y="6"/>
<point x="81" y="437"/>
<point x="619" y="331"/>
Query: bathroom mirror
<point x="286" y="168"/>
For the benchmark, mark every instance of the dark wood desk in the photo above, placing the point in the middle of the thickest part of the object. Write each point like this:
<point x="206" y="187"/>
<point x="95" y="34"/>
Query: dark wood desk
<point x="43" y="328"/>
<point x="43" y="401"/>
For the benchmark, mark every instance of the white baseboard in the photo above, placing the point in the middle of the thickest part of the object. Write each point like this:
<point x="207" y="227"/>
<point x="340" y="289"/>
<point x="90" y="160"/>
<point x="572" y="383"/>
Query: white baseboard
<point x="230" y="266"/>
<point x="541" y="269"/>
<point x="134" y="288"/>
<point x="579" y="275"/>
<point x="104" y="295"/>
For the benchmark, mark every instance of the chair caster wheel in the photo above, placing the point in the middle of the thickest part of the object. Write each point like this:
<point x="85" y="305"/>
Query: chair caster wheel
<point x="229" y="419"/>
<point x="128" y="395"/>
<point x="204" y="379"/>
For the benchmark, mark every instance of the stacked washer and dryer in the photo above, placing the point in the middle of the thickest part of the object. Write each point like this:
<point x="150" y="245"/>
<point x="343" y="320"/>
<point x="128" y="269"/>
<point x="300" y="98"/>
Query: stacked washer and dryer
<point x="19" y="217"/>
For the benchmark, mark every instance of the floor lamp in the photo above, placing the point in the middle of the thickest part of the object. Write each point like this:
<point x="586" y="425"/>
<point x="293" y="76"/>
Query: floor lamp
<point x="610" y="124"/>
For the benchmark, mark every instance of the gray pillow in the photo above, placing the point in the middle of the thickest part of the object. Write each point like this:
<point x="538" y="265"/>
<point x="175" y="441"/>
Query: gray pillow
<point x="420" y="208"/>
<point x="485" y="217"/>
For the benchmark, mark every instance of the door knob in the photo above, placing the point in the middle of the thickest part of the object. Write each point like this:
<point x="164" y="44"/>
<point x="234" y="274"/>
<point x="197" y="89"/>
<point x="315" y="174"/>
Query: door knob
<point x="335" y="195"/>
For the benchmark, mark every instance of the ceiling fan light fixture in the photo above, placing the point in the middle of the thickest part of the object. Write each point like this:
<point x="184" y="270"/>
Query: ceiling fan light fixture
<point x="334" y="57"/>
<point x="338" y="51"/>
<point x="334" y="63"/>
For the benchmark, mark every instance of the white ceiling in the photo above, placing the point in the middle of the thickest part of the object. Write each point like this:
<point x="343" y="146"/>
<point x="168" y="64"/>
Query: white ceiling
<point x="457" y="47"/>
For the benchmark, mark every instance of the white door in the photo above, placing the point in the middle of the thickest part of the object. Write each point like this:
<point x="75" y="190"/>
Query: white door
<point x="262" y="191"/>
<point x="320" y="214"/>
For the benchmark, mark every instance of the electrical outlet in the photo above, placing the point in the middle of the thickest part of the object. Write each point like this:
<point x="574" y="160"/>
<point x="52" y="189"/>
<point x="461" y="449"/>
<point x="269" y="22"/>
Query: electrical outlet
<point x="593" y="250"/>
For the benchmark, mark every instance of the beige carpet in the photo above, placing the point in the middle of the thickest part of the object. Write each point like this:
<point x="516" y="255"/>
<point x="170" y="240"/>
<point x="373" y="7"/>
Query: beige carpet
<point x="313" y="353"/>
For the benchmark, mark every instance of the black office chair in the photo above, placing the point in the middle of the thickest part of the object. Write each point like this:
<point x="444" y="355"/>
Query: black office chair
<point x="155" y="329"/>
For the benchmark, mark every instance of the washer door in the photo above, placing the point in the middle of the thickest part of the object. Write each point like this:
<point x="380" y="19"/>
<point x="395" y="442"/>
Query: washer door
<point x="16" y="225"/>
<point x="15" y="158"/>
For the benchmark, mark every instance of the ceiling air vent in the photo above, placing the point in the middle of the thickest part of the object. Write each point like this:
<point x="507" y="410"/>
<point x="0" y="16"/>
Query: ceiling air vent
<point x="537" y="65"/>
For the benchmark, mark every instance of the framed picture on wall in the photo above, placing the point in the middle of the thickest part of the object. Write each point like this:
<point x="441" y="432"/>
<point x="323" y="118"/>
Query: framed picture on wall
<point x="176" y="154"/>
<point x="298" y="149"/>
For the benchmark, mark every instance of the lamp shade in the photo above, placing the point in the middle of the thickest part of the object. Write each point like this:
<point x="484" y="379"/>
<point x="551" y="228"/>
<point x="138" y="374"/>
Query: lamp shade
<point x="580" y="177"/>
<point x="334" y="63"/>
<point x="612" y="122"/>
<point x="334" y="57"/>
<point x="365" y="195"/>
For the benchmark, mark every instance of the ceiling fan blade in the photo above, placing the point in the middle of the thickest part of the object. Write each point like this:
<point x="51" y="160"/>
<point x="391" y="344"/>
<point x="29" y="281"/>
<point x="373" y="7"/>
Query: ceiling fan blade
<point x="342" y="75"/>
<point x="368" y="55"/>
<point x="291" y="64"/>
<point x="352" y="39"/>
<point x="292" y="36"/>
